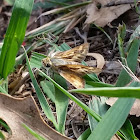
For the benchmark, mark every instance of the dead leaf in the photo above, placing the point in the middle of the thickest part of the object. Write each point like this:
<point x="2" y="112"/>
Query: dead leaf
<point x="104" y="15"/>
<point x="135" y="110"/>
<point x="112" y="67"/>
<point x="16" y="111"/>
<point x="99" y="58"/>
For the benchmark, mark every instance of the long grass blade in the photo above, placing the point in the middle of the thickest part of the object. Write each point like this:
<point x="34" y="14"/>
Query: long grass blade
<point x="14" y="35"/>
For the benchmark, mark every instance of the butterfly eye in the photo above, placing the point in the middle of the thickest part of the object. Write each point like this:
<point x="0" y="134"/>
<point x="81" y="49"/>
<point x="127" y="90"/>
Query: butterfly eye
<point x="48" y="65"/>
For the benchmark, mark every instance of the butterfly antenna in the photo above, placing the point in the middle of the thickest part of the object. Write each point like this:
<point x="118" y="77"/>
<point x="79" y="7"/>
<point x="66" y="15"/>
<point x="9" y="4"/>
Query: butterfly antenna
<point x="83" y="36"/>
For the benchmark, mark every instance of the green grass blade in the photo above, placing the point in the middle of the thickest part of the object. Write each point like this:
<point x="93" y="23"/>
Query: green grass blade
<point x="97" y="84"/>
<point x="35" y="60"/>
<point x="81" y="104"/>
<point x="112" y="120"/>
<point x="85" y="135"/>
<point x="14" y="35"/>
<point x="133" y="36"/>
<point x="127" y="131"/>
<point x="37" y="136"/>
<point x="124" y="77"/>
<point x="99" y="105"/>
<point x="49" y="89"/>
<point x="49" y="4"/>
<point x="2" y="137"/>
<point x="104" y="33"/>
<point x="121" y="36"/>
<point x="133" y="92"/>
<point x="4" y="86"/>
<point x="61" y="102"/>
<point x="42" y="100"/>
<point x="2" y="123"/>
<point x="3" y="90"/>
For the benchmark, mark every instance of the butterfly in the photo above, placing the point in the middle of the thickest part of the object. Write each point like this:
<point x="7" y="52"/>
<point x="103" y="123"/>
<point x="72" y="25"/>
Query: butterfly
<point x="68" y="64"/>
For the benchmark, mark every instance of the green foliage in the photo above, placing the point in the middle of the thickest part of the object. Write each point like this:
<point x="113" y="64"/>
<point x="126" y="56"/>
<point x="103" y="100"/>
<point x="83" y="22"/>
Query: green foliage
<point x="127" y="131"/>
<point x="6" y="127"/>
<point x="37" y="136"/>
<point x="121" y="37"/>
<point x="14" y="35"/>
<point x="42" y="100"/>
<point x="2" y="137"/>
<point x="112" y="120"/>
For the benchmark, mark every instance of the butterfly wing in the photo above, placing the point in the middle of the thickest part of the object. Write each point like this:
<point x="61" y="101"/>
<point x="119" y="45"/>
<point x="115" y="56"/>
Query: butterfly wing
<point x="76" y="54"/>
<point x="79" y="69"/>
<point x="75" y="79"/>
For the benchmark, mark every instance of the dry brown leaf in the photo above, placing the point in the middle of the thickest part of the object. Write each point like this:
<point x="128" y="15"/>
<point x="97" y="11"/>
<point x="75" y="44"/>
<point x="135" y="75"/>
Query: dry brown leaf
<point x="15" y="112"/>
<point x="135" y="110"/>
<point x="104" y="15"/>
<point x="113" y="67"/>
<point x="99" y="58"/>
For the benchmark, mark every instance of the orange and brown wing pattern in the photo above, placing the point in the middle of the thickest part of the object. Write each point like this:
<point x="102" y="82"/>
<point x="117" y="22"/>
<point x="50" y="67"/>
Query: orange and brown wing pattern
<point x="76" y="54"/>
<point x="79" y="69"/>
<point x="75" y="79"/>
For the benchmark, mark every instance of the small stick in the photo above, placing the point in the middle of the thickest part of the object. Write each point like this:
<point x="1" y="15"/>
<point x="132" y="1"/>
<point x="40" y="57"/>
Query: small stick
<point x="120" y="2"/>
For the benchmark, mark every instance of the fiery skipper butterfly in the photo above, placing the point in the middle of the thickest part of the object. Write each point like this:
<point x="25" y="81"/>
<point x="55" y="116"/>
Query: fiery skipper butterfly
<point x="68" y="64"/>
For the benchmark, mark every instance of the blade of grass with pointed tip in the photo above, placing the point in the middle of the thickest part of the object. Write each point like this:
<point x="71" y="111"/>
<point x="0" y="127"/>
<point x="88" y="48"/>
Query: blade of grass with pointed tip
<point x="2" y="90"/>
<point x="127" y="131"/>
<point x="85" y="134"/>
<point x="104" y="33"/>
<point x="49" y="4"/>
<point x="61" y="102"/>
<point x="112" y="120"/>
<point x="133" y="92"/>
<point x="14" y="35"/>
<point x="99" y="106"/>
<point x="2" y="136"/>
<point x="42" y="100"/>
<point x="33" y="133"/>
<point x="133" y="36"/>
<point x="97" y="84"/>
<point x="89" y="111"/>
<point x="2" y="123"/>
<point x="48" y="89"/>
<point x="124" y="78"/>
<point x="121" y="36"/>
<point x="81" y="104"/>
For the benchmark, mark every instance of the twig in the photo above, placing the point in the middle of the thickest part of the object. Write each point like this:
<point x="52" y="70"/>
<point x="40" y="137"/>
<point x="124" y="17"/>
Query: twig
<point x="120" y="2"/>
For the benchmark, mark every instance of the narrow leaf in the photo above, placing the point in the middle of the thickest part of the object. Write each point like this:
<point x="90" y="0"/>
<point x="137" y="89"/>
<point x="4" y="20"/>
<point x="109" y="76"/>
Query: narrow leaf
<point x="111" y="91"/>
<point x="14" y="35"/>
<point x="124" y="77"/>
<point x="61" y="102"/>
<point x="81" y="104"/>
<point x="43" y="102"/>
<point x="112" y="120"/>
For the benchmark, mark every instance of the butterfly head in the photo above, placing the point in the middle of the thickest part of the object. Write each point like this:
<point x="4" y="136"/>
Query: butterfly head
<point x="46" y="62"/>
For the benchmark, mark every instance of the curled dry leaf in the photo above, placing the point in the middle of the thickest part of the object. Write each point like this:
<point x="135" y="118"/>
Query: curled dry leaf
<point x="16" y="112"/>
<point x="104" y="15"/>
<point x="99" y="58"/>
<point x="135" y="110"/>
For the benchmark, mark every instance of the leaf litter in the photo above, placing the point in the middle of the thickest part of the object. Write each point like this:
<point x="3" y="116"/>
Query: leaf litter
<point x="18" y="111"/>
